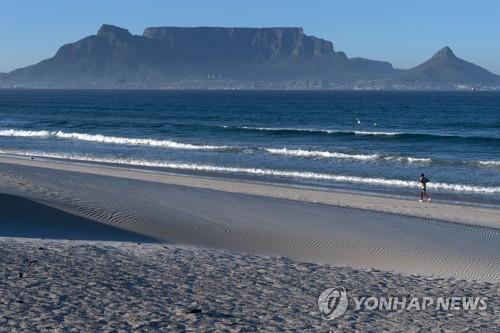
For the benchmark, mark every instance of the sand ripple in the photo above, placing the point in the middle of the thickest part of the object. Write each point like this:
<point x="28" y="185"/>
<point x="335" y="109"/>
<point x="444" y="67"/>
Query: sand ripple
<point x="263" y="225"/>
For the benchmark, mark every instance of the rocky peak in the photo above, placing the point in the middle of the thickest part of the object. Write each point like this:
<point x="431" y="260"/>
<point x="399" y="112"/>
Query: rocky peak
<point x="113" y="33"/>
<point x="445" y="52"/>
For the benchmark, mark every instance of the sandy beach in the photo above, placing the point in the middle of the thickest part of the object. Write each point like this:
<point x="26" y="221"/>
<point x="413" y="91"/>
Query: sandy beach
<point x="314" y="225"/>
<point x="129" y="287"/>
<point x="195" y="166"/>
<point x="247" y="255"/>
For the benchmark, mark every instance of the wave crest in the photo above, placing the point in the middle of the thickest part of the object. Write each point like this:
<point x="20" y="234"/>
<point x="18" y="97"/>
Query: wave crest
<point x="321" y="131"/>
<point x="262" y="172"/>
<point x="320" y="154"/>
<point x="490" y="163"/>
<point x="338" y="155"/>
<point x="109" y="139"/>
<point x="312" y="130"/>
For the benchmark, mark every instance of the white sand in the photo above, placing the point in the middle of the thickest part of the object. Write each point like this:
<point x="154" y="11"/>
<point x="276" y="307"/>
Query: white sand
<point x="306" y="224"/>
<point x="74" y="286"/>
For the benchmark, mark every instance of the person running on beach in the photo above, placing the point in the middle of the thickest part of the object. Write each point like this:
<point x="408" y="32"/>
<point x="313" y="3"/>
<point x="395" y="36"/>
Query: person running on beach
<point x="422" y="183"/>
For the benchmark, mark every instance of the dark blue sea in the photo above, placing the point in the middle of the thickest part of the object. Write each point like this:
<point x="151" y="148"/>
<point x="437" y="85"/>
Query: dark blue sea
<point x="369" y="140"/>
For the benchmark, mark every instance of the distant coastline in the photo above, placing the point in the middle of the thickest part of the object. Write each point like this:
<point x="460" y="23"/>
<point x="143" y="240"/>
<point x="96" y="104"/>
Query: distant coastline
<point x="222" y="89"/>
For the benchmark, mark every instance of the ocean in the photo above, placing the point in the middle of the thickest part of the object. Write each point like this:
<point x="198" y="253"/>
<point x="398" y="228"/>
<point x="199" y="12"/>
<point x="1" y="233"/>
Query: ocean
<point x="379" y="141"/>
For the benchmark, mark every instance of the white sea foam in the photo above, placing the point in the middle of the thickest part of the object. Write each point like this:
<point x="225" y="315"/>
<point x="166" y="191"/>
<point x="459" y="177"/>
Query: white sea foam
<point x="489" y="163"/>
<point x="277" y="129"/>
<point x="418" y="159"/>
<point x="338" y="155"/>
<point x="109" y="139"/>
<point x="320" y="154"/>
<point x="24" y="133"/>
<point x="407" y="159"/>
<point x="398" y="183"/>
<point x="315" y="130"/>
<point x="376" y="133"/>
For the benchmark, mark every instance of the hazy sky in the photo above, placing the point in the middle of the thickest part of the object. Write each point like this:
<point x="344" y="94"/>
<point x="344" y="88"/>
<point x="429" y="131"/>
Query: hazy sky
<point x="402" y="32"/>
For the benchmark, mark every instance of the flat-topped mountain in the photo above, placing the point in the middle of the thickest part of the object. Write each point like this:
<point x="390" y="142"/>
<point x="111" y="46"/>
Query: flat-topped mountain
<point x="194" y="57"/>
<point x="213" y="57"/>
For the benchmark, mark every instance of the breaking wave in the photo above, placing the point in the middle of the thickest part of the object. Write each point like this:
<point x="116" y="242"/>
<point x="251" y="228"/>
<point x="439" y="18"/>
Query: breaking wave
<point x="261" y="172"/>
<point x="309" y="130"/>
<point x="299" y="153"/>
<point x="490" y="163"/>
<point x="320" y="154"/>
<point x="388" y="134"/>
<point x="338" y="155"/>
<point x="109" y="139"/>
<point x="408" y="159"/>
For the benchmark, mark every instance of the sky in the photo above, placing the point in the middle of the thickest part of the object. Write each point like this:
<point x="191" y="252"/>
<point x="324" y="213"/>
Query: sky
<point x="405" y="33"/>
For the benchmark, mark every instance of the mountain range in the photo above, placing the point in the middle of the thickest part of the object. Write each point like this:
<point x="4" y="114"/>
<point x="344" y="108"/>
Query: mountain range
<point x="220" y="58"/>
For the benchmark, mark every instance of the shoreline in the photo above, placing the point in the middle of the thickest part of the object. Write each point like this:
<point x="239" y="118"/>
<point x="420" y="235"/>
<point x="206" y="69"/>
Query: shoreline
<point x="456" y="211"/>
<point x="471" y="193"/>
<point x="304" y="224"/>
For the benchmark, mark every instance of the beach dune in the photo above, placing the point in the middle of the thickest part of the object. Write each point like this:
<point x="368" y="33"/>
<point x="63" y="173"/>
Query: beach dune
<point x="24" y="218"/>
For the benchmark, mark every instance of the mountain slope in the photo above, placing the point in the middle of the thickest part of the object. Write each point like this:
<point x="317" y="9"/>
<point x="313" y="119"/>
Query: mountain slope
<point x="213" y="57"/>
<point x="445" y="67"/>
<point x="164" y="55"/>
<point x="111" y="55"/>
